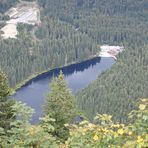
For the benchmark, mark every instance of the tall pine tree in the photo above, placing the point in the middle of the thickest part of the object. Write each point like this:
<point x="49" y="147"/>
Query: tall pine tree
<point x="6" y="115"/>
<point x="60" y="105"/>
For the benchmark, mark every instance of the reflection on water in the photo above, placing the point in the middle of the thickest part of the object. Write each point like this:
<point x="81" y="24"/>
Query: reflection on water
<point x="77" y="76"/>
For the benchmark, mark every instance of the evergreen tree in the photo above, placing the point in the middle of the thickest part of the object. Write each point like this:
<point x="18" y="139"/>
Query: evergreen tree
<point x="60" y="105"/>
<point x="6" y="115"/>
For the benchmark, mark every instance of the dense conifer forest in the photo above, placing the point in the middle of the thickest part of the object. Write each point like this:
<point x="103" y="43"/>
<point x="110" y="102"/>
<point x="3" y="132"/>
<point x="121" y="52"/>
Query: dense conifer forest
<point x="111" y="22"/>
<point x="73" y="30"/>
<point x="56" y="128"/>
<point x="115" y="90"/>
<point x="6" y="4"/>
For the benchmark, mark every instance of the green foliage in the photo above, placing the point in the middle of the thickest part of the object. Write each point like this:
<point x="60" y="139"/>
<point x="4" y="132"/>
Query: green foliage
<point x="4" y="88"/>
<point x="23" y="134"/>
<point x="6" y="114"/>
<point x="60" y="105"/>
<point x="6" y="4"/>
<point x="105" y="21"/>
<point x="61" y="45"/>
<point x="24" y="27"/>
<point x="23" y="112"/>
<point x="70" y="31"/>
<point x="114" y="91"/>
<point x="106" y="133"/>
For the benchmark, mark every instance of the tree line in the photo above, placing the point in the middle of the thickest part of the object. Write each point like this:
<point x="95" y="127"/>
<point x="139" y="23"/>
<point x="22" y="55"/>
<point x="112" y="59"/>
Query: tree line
<point x="71" y="31"/>
<point x="115" y="90"/>
<point x="57" y="44"/>
<point x="56" y="129"/>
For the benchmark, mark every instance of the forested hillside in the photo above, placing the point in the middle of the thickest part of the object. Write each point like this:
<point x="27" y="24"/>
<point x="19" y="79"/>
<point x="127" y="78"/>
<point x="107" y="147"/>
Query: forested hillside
<point x="6" y="4"/>
<point x="56" y="129"/>
<point x="25" y="56"/>
<point x="111" y="22"/>
<point x="54" y="43"/>
<point x="114" y="91"/>
<point x="106" y="21"/>
<point x="70" y="31"/>
<point x="73" y="30"/>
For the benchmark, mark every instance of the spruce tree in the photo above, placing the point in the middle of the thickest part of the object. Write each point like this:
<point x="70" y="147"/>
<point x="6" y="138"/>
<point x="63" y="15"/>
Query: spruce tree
<point x="6" y="103"/>
<point x="60" y="105"/>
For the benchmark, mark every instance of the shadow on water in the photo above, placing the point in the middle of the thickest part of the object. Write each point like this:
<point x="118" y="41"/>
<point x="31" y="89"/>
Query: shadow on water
<point x="67" y="70"/>
<point x="77" y="76"/>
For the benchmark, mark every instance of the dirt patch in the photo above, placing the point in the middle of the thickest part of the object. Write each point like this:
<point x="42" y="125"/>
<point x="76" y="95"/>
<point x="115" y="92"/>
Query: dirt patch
<point x="26" y="13"/>
<point x="10" y="31"/>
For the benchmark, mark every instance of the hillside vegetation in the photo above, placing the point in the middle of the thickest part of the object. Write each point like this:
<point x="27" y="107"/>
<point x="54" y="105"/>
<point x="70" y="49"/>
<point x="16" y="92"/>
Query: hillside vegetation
<point x="84" y="135"/>
<point x="56" y="129"/>
<point x="6" y="4"/>
<point x="115" y="90"/>
<point x="71" y="31"/>
<point x="110" y="22"/>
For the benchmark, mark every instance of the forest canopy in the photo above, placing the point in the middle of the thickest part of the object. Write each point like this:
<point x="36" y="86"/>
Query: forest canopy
<point x="73" y="30"/>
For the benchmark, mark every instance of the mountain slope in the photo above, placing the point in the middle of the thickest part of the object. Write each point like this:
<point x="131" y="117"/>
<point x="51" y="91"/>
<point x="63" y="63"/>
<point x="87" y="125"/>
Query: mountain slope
<point x="114" y="91"/>
<point x="71" y="31"/>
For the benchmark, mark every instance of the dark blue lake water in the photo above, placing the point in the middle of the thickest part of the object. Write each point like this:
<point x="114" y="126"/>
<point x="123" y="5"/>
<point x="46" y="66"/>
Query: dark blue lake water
<point x="78" y="76"/>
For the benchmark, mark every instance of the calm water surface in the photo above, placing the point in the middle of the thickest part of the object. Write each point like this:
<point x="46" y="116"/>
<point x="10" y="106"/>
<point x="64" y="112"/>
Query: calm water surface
<point x="78" y="76"/>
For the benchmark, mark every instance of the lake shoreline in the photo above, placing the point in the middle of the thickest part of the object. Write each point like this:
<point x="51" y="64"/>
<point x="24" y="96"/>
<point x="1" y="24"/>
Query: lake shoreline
<point x="77" y="75"/>
<point x="106" y="51"/>
<point x="33" y="76"/>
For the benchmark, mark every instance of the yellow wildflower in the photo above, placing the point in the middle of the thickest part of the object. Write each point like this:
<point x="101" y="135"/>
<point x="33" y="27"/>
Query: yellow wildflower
<point x="66" y="125"/>
<point x="32" y="131"/>
<point x="84" y="122"/>
<point x="122" y="125"/>
<point x="66" y="143"/>
<point x="130" y="133"/>
<point x="144" y="100"/>
<point x="95" y="138"/>
<point x="91" y="126"/>
<point x="120" y="131"/>
<point x="115" y="135"/>
<point x="105" y="130"/>
<point x="139" y="139"/>
<point x="21" y="142"/>
<point x="115" y="125"/>
<point x="83" y="134"/>
<point x="71" y="133"/>
<point x="109" y="117"/>
<point x="142" y="106"/>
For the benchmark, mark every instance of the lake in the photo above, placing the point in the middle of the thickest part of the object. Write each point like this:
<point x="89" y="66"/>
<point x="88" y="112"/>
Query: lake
<point x="78" y="76"/>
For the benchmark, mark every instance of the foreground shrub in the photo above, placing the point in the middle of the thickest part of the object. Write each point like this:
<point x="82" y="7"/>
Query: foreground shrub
<point x="105" y="133"/>
<point x="23" y="134"/>
<point x="102" y="133"/>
